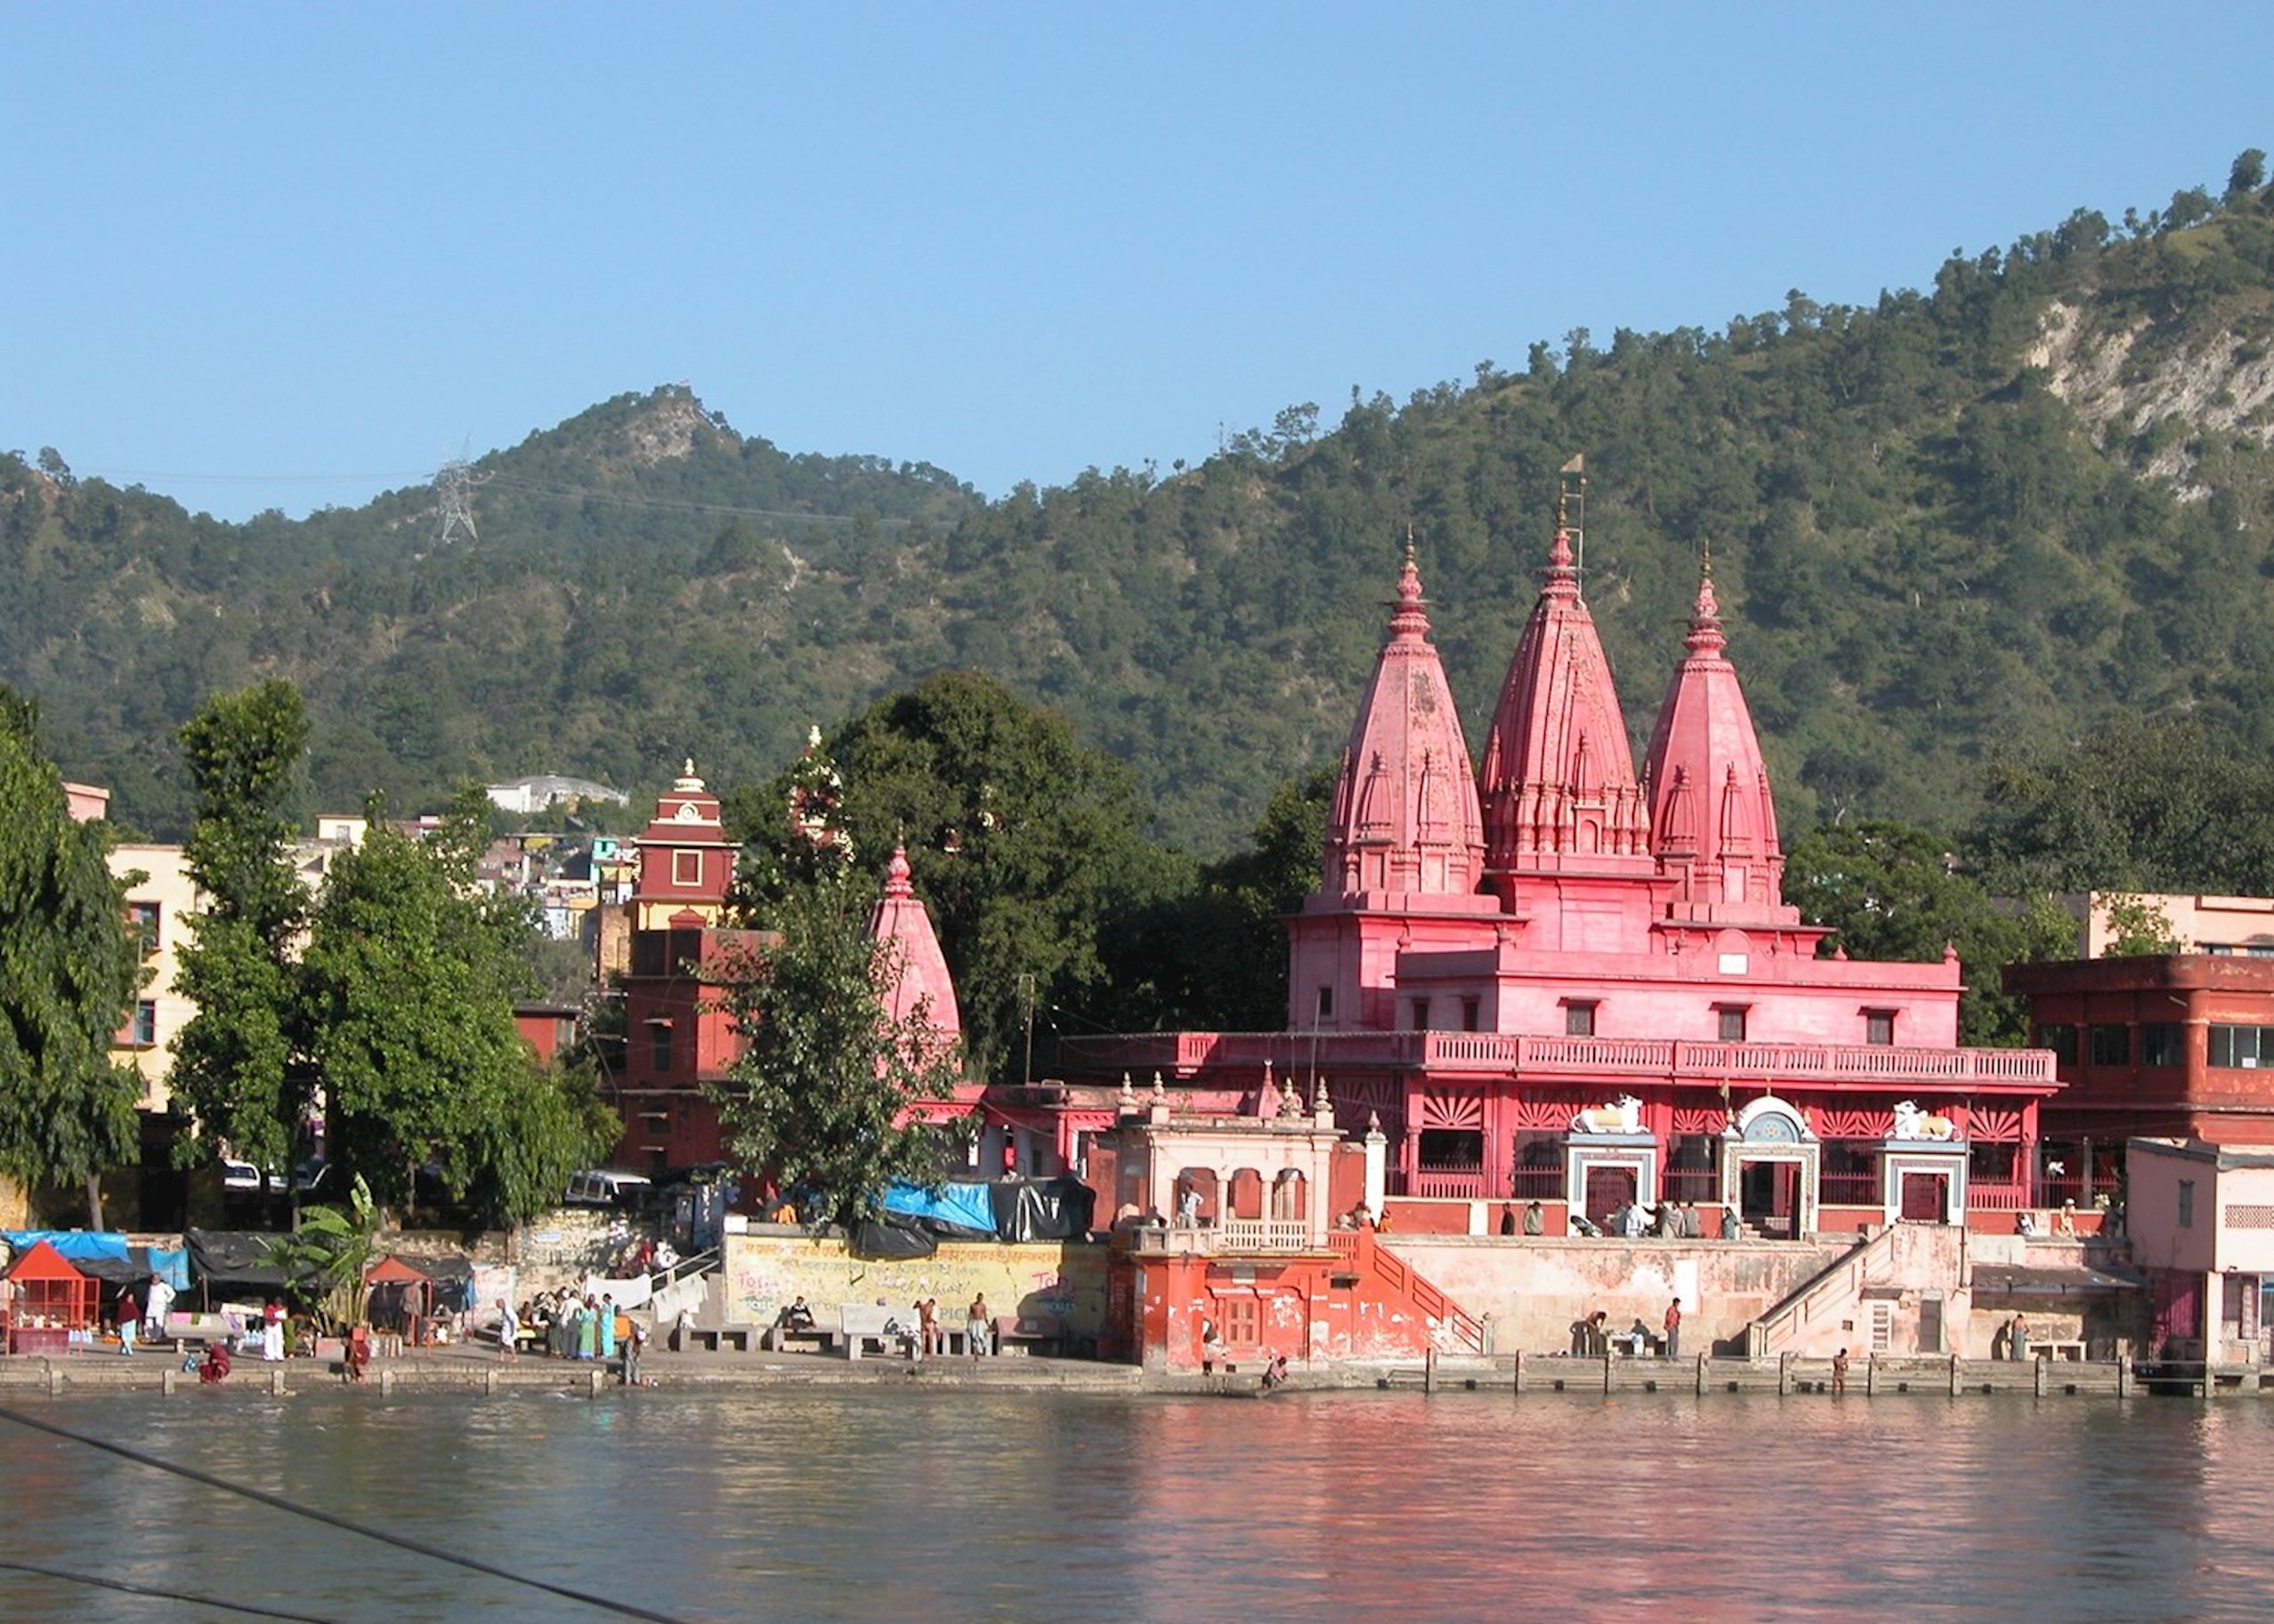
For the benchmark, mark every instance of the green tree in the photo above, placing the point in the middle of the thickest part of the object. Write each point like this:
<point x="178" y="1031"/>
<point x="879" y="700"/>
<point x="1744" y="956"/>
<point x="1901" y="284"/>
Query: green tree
<point x="549" y="1127"/>
<point x="2248" y="174"/>
<point x="817" y="1098"/>
<point x="1024" y="841"/>
<point x="1890" y="891"/>
<point x="239" y="1063"/>
<point x="68" y="971"/>
<point x="409" y="980"/>
<point x="2138" y="928"/>
<point x="2150" y="806"/>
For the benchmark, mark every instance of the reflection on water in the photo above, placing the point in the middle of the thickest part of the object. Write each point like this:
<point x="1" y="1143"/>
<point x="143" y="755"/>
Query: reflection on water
<point x="875" y="1504"/>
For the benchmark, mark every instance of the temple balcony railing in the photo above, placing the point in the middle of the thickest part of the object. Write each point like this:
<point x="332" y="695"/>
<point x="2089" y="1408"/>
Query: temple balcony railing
<point x="1448" y="1183"/>
<point x="1231" y="1236"/>
<point x="1185" y="1054"/>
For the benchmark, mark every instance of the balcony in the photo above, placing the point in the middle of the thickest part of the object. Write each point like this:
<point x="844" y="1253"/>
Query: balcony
<point x="1234" y="1236"/>
<point x="1185" y="1054"/>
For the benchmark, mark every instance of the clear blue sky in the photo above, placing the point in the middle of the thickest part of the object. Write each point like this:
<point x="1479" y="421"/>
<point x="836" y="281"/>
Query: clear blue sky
<point x="328" y="245"/>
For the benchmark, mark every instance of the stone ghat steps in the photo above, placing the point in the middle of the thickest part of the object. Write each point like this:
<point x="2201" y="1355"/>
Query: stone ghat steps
<point x="1883" y="1376"/>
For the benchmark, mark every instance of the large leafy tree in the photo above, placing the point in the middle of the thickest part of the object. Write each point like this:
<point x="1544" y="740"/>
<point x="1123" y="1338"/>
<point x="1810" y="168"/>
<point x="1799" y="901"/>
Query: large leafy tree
<point x="410" y="979"/>
<point x="1025" y="842"/>
<point x="68" y="971"/>
<point x="2131" y="806"/>
<point x="1891" y="892"/>
<point x="239" y="1065"/>
<point x="818" y="1098"/>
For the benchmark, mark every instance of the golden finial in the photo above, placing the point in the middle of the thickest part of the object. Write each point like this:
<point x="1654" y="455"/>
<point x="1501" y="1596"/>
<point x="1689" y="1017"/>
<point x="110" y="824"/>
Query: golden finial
<point x="1409" y="541"/>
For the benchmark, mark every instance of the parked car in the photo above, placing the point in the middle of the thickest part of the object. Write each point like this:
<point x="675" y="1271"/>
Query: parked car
<point x="607" y="1188"/>
<point x="243" y="1178"/>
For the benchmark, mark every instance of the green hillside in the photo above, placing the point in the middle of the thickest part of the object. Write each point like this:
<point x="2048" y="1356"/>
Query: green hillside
<point x="1997" y="512"/>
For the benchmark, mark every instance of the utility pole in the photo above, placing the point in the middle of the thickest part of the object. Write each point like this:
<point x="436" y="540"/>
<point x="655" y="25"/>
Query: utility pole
<point x="1026" y="1003"/>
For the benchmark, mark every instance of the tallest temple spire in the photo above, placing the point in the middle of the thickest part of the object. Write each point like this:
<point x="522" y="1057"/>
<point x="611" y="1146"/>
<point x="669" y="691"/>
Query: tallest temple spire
<point x="1559" y="788"/>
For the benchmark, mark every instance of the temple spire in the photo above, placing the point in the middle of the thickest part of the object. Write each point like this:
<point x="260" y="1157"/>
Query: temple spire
<point x="1714" y="818"/>
<point x="1405" y="819"/>
<point x="1558" y="784"/>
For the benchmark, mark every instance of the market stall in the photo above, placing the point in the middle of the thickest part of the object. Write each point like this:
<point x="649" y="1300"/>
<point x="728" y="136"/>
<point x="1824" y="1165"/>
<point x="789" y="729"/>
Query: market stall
<point x="48" y="1301"/>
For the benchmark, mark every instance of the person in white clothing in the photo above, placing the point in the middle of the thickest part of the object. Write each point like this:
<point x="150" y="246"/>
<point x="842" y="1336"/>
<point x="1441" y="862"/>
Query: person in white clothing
<point x="156" y="1302"/>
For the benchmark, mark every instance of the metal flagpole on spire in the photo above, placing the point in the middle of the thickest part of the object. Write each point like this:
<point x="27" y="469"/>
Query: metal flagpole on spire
<point x="1571" y="507"/>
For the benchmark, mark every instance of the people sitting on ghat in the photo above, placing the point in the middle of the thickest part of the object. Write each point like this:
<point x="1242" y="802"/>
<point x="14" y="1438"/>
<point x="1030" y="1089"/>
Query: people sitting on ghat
<point x="795" y="1316"/>
<point x="215" y="1366"/>
<point x="1274" y="1372"/>
<point x="2024" y="1222"/>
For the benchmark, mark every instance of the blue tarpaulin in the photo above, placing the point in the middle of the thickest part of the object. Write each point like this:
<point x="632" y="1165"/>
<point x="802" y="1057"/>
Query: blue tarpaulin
<point x="962" y="1206"/>
<point x="82" y="1246"/>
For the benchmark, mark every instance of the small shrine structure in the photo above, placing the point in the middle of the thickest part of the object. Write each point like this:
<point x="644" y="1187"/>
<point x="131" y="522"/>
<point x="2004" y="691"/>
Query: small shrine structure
<point x="49" y="1298"/>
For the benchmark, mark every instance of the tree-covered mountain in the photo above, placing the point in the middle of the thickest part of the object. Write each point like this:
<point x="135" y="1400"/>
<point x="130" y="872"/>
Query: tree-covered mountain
<point x="1999" y="512"/>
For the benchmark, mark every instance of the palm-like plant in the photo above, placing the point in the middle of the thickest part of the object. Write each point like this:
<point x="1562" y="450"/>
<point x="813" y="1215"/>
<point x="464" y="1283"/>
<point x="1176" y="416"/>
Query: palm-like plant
<point x="328" y="1255"/>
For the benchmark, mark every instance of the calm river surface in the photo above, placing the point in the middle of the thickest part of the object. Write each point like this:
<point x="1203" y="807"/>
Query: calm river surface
<point x="897" y="1505"/>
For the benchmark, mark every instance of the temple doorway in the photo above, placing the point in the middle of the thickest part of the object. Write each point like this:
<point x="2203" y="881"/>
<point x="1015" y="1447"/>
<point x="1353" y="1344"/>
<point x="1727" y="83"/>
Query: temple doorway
<point x="1609" y="1189"/>
<point x="1926" y="1197"/>
<point x="1769" y="1194"/>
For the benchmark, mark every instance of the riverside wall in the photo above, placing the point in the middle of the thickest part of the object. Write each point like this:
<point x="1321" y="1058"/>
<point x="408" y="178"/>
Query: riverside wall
<point x="1533" y="1288"/>
<point x="1064" y="1280"/>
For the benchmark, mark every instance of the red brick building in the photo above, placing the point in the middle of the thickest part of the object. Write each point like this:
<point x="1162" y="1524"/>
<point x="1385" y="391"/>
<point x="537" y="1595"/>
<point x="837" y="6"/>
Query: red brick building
<point x="2180" y="1045"/>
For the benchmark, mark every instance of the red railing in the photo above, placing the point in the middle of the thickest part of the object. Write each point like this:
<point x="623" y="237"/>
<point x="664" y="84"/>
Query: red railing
<point x="1449" y="1183"/>
<point x="1509" y="1054"/>
<point x="1985" y="1197"/>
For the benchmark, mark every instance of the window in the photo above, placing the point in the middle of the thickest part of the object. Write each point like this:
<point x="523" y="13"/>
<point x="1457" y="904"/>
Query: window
<point x="2061" y="1037"/>
<point x="141" y="919"/>
<point x="1326" y="1004"/>
<point x="2111" y="1045"/>
<point x="2247" y="1047"/>
<point x="1879" y="1027"/>
<point x="2218" y="949"/>
<point x="143" y="1030"/>
<point x="2187" y="1203"/>
<point x="1993" y="1163"/>
<point x="2160" y="1043"/>
<point x="686" y="867"/>
<point x="1417" y="1015"/>
<point x="1732" y="1019"/>
<point x="1469" y="1011"/>
<point x="2259" y="951"/>
<point x="1579" y="1019"/>
<point x="660" y="1036"/>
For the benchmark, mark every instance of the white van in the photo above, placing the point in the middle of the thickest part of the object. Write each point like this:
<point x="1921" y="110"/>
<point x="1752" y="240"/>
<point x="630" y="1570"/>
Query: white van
<point x="606" y="1189"/>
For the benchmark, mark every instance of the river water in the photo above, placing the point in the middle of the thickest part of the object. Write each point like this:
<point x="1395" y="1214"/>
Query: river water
<point x="880" y="1503"/>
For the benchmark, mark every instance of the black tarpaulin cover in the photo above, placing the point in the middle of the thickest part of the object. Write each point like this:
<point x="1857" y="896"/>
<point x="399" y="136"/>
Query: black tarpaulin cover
<point x="1042" y="1209"/>
<point x="885" y="1242"/>
<point x="239" y="1256"/>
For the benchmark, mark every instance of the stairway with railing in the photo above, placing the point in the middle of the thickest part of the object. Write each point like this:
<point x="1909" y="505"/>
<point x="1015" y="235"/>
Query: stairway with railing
<point x="1832" y="1292"/>
<point x="1395" y="1278"/>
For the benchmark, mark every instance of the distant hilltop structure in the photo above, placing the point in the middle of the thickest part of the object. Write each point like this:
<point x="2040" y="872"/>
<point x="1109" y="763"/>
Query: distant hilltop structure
<point x="535" y="793"/>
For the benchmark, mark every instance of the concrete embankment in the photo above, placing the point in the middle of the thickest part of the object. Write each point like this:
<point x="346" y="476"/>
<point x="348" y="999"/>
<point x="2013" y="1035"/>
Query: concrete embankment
<point x="1532" y="1376"/>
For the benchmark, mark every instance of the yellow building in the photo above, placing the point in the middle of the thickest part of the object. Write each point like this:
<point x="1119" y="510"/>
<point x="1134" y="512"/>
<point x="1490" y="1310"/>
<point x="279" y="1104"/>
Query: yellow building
<point x="158" y="906"/>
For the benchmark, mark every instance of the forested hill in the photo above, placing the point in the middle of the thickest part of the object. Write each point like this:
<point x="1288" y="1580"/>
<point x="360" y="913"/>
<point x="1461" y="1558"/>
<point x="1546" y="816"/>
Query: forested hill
<point x="1991" y="513"/>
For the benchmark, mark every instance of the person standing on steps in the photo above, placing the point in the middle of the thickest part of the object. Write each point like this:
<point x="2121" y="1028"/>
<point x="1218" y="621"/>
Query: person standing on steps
<point x="1674" y="1329"/>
